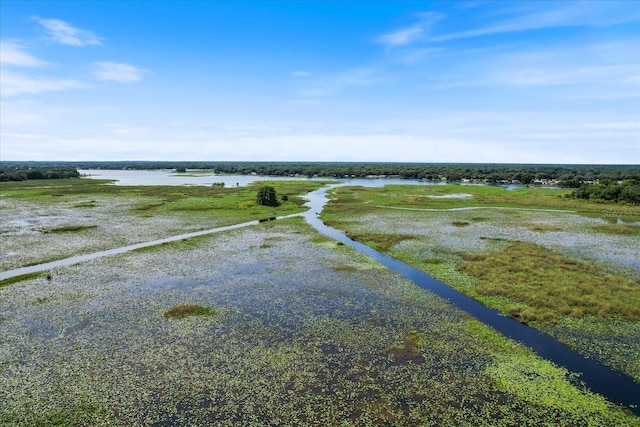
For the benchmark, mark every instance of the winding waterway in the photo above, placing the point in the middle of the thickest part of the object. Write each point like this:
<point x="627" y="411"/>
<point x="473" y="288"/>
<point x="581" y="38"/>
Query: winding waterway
<point x="613" y="385"/>
<point x="601" y="379"/>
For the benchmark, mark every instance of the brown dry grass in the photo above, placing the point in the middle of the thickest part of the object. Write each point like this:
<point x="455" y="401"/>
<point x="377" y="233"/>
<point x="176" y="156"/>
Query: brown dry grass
<point x="541" y="285"/>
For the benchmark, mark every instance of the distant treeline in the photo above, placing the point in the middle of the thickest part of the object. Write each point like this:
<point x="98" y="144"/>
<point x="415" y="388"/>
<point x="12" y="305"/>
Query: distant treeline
<point x="20" y="173"/>
<point x="606" y="190"/>
<point x="571" y="176"/>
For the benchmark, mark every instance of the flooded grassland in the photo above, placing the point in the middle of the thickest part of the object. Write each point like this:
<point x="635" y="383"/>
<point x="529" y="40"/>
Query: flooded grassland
<point x="42" y="221"/>
<point x="277" y="326"/>
<point x="271" y="324"/>
<point x="566" y="267"/>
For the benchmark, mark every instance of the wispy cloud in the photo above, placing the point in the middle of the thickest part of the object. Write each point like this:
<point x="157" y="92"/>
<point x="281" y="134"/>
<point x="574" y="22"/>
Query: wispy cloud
<point x="300" y="73"/>
<point x="402" y="37"/>
<point x="118" y="72"/>
<point x="15" y="81"/>
<point x="411" y="33"/>
<point x="337" y="82"/>
<point x="565" y="71"/>
<point x="517" y="19"/>
<point x="13" y="53"/>
<point x="61" y="32"/>
<point x="16" y="84"/>
<point x="567" y="14"/>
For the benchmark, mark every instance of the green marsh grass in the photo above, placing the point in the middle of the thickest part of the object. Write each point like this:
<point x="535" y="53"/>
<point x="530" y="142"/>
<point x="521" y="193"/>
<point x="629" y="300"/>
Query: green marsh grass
<point x="87" y="204"/>
<point x="148" y="206"/>
<point x="43" y="261"/>
<point x="235" y="203"/>
<point x="360" y="199"/>
<point x="380" y="240"/>
<point x="619" y="229"/>
<point x="544" y="228"/>
<point x="542" y="285"/>
<point x="69" y="228"/>
<point x="181" y="311"/>
<point x="20" y="278"/>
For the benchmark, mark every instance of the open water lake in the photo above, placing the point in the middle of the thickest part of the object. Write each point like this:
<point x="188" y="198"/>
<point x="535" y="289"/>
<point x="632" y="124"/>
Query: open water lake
<point x="202" y="177"/>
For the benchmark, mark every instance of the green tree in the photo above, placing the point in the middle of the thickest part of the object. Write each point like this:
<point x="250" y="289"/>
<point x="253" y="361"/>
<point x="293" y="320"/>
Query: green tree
<point x="267" y="196"/>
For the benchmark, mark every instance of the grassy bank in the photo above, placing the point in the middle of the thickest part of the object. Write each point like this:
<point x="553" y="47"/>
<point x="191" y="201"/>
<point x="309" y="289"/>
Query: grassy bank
<point x="232" y="203"/>
<point x="281" y="326"/>
<point x="569" y="268"/>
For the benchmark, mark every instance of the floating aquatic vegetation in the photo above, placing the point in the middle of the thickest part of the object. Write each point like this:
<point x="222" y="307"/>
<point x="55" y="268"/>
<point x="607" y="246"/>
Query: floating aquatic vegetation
<point x="304" y="334"/>
<point x="125" y="215"/>
<point x="294" y="342"/>
<point x="609" y="247"/>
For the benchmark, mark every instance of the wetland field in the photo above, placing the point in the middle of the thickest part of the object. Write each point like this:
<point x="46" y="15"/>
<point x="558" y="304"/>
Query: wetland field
<point x="276" y="324"/>
<point x="570" y="268"/>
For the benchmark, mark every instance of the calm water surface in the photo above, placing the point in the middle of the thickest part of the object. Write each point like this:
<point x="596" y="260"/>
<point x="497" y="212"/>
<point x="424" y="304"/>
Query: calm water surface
<point x="169" y="177"/>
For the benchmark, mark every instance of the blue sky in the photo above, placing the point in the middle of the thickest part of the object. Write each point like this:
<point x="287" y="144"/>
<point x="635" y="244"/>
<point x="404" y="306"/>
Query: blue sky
<point x="421" y="81"/>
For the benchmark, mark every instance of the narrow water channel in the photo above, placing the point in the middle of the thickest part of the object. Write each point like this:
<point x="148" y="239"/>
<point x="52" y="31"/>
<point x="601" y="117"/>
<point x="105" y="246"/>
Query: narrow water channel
<point x="611" y="384"/>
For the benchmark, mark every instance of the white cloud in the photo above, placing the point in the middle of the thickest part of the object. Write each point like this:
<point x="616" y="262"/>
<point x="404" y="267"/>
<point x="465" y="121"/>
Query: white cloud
<point x="118" y="72"/>
<point x="13" y="84"/>
<point x="402" y="37"/>
<point x="61" y="32"/>
<point x="462" y="136"/>
<point x="12" y="53"/>
<point x="412" y="33"/>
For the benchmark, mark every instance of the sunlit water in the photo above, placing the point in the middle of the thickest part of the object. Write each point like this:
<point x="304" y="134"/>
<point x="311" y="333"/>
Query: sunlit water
<point x="169" y="177"/>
